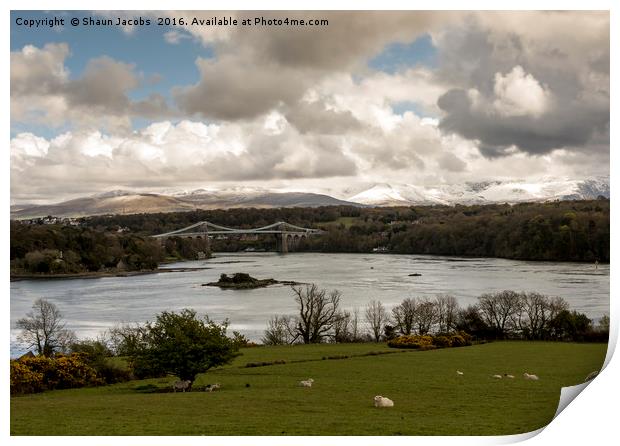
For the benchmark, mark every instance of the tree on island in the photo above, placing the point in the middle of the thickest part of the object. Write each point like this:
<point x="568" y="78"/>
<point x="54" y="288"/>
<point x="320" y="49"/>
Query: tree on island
<point x="43" y="329"/>
<point x="181" y="344"/>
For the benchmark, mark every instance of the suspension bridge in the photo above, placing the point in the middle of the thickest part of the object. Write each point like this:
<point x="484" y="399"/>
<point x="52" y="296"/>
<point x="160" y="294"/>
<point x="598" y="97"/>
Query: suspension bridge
<point x="287" y="235"/>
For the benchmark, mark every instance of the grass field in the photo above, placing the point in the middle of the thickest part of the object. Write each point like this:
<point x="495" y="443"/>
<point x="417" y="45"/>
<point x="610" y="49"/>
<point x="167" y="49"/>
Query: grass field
<point x="430" y="398"/>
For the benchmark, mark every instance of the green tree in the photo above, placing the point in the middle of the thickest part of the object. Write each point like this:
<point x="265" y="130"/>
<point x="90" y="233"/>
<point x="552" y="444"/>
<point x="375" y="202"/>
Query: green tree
<point x="570" y="325"/>
<point x="182" y="344"/>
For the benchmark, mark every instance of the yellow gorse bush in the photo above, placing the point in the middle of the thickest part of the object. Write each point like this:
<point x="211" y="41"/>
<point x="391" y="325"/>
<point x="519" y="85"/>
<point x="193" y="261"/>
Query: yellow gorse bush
<point x="426" y="342"/>
<point x="38" y="373"/>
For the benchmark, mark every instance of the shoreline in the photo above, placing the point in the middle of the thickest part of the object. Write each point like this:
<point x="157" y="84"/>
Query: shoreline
<point x="99" y="274"/>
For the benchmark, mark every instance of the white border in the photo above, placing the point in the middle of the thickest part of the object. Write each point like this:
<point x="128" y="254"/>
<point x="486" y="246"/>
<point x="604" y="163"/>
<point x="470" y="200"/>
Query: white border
<point x="590" y="419"/>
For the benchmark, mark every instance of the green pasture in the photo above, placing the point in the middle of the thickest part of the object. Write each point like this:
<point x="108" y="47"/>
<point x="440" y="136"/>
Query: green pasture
<point x="430" y="398"/>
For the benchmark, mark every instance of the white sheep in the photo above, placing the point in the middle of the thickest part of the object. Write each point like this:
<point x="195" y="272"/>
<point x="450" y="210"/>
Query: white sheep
<point x="181" y="385"/>
<point x="509" y="376"/>
<point x="212" y="387"/>
<point x="306" y="383"/>
<point x="530" y="377"/>
<point x="458" y="372"/>
<point x="497" y="376"/>
<point x="381" y="401"/>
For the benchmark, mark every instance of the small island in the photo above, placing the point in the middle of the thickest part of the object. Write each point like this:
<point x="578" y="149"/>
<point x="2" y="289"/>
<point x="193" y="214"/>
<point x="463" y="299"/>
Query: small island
<point x="243" y="281"/>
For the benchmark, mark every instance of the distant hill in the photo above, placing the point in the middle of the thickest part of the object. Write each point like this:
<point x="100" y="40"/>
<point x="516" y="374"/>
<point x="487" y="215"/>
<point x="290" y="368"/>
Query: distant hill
<point x="126" y="202"/>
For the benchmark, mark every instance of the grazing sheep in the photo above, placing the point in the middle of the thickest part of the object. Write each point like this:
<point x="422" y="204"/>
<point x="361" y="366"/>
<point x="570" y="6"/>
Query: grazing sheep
<point x="458" y="372"/>
<point x="181" y="385"/>
<point x="591" y="376"/>
<point x="306" y="383"/>
<point x="530" y="377"/>
<point x="212" y="387"/>
<point x="497" y="376"/>
<point x="509" y="376"/>
<point x="381" y="401"/>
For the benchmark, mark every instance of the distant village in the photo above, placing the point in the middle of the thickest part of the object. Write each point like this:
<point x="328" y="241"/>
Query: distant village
<point x="65" y="221"/>
<point x="51" y="220"/>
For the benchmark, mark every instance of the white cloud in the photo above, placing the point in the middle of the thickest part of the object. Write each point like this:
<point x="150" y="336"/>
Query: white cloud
<point x="304" y="108"/>
<point x="175" y="37"/>
<point x="519" y="93"/>
<point x="43" y="93"/>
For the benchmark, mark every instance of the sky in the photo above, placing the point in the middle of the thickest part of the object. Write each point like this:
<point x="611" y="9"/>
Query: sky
<point x="425" y="98"/>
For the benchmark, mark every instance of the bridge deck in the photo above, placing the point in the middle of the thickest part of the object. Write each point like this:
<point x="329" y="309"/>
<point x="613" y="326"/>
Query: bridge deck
<point x="289" y="229"/>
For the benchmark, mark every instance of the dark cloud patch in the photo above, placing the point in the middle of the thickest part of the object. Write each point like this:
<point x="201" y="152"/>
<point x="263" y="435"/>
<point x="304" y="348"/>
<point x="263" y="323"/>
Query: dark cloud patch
<point x="153" y="106"/>
<point x="569" y="125"/>
<point x="104" y="84"/>
<point x="236" y="88"/>
<point x="316" y="118"/>
<point x="451" y="163"/>
<point x="527" y="89"/>
<point x="256" y="69"/>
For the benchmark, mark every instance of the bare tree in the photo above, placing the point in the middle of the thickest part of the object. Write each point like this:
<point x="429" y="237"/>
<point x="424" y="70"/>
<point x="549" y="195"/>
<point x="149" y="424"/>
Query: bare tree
<point x="425" y="315"/>
<point x="125" y="339"/>
<point x="536" y="311"/>
<point x="376" y="318"/>
<point x="342" y="327"/>
<point x="318" y="311"/>
<point x="279" y="331"/>
<point x="355" y="328"/>
<point x="499" y="310"/>
<point x="44" y="330"/>
<point x="556" y="306"/>
<point x="404" y="316"/>
<point x="447" y="312"/>
<point x="534" y="315"/>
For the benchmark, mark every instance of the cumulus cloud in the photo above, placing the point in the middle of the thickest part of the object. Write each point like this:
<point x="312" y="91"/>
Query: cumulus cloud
<point x="518" y="94"/>
<point x="43" y="92"/>
<point x="256" y="69"/>
<point x="167" y="154"/>
<point x="512" y="94"/>
<point x="526" y="82"/>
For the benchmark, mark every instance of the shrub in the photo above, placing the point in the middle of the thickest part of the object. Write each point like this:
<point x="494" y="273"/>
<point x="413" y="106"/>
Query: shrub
<point x="97" y="355"/>
<point x="112" y="374"/>
<point x="35" y="374"/>
<point x="72" y="371"/>
<point x="442" y="341"/>
<point x="265" y="363"/>
<point x="411" y="341"/>
<point x="428" y="342"/>
<point x="457" y="341"/>
<point x="25" y="380"/>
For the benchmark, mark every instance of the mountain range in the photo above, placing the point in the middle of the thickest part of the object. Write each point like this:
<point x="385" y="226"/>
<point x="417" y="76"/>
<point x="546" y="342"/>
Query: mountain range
<point x="378" y="194"/>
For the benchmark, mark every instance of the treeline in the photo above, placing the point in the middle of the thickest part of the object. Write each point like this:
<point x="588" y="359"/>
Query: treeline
<point x="58" y="249"/>
<point x="555" y="231"/>
<point x="500" y="315"/>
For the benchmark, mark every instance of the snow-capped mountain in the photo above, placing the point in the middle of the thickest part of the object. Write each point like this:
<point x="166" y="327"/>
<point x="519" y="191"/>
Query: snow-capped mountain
<point x="483" y="192"/>
<point x="382" y="194"/>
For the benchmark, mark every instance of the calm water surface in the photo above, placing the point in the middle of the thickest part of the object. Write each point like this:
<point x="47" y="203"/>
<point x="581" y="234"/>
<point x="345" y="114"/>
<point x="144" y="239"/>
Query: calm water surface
<point x="91" y="306"/>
